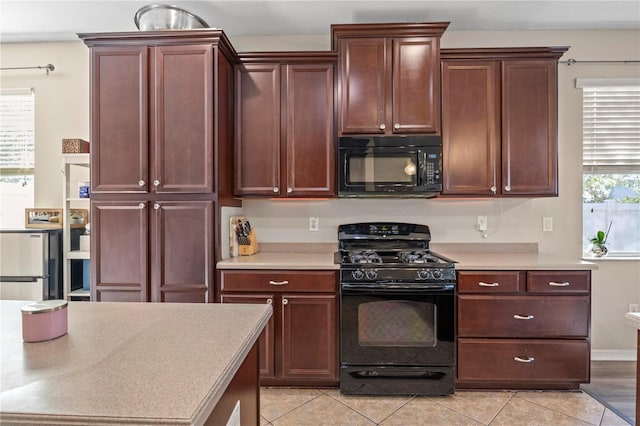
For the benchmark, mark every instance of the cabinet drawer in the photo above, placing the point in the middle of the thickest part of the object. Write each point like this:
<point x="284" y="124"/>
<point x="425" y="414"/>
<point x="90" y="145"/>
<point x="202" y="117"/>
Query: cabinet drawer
<point x="278" y="281"/>
<point x="523" y="316"/>
<point x="566" y="282"/>
<point x="523" y="360"/>
<point x="490" y="282"/>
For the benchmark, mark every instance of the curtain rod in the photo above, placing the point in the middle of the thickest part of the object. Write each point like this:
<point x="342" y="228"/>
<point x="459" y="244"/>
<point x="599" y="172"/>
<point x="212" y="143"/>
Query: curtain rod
<point x="570" y="62"/>
<point x="48" y="67"/>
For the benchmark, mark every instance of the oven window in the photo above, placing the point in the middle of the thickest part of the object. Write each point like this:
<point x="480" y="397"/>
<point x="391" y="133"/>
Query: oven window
<point x="397" y="323"/>
<point x="379" y="169"/>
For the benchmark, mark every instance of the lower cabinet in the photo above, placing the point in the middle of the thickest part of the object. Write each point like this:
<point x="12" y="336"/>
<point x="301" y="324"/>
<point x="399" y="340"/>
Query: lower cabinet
<point x="152" y="251"/>
<point x="299" y="346"/>
<point x="523" y="329"/>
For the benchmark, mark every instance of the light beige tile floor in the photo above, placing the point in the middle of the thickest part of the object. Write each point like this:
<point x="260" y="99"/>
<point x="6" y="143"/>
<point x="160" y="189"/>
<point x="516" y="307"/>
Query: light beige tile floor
<point x="318" y="407"/>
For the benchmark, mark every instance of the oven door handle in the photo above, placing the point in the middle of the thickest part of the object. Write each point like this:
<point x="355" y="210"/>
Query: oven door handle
<point x="412" y="288"/>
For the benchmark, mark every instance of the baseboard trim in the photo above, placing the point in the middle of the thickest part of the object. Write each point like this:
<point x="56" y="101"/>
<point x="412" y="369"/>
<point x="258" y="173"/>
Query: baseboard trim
<point x="613" y="355"/>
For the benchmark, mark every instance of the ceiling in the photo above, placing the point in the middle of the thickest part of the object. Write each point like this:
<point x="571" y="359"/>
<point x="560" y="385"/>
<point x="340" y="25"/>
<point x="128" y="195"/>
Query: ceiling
<point x="28" y="21"/>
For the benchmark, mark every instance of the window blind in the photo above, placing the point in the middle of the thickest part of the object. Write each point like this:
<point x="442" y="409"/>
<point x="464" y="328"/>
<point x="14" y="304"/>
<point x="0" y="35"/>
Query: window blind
<point x="17" y="122"/>
<point x="611" y="125"/>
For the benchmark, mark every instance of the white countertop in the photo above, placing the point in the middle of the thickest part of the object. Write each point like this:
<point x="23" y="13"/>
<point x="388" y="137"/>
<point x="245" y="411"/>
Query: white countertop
<point x="143" y="363"/>
<point x="632" y="319"/>
<point x="465" y="261"/>
<point x="281" y="260"/>
<point x="516" y="261"/>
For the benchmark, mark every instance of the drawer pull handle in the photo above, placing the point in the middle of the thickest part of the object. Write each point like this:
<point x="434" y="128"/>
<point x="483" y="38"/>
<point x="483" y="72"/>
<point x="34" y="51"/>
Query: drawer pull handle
<point x="523" y="317"/>
<point x="278" y="282"/>
<point x="482" y="284"/>
<point x="554" y="284"/>
<point x="527" y="359"/>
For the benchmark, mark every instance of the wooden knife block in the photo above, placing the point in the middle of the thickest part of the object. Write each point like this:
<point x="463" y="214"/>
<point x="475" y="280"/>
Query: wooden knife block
<point x="251" y="248"/>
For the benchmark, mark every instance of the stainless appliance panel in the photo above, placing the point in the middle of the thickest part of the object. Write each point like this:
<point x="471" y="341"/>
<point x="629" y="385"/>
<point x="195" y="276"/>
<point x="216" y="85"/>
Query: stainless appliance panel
<point x="23" y="254"/>
<point x="27" y="289"/>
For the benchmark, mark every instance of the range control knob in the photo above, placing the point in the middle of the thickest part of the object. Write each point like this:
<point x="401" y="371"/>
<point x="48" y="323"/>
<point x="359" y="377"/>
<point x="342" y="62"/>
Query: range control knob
<point x="437" y="273"/>
<point x="423" y="274"/>
<point x="372" y="274"/>
<point x="358" y="274"/>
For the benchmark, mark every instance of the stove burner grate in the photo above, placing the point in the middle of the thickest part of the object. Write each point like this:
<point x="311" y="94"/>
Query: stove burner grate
<point x="418" y="257"/>
<point x="365" y="256"/>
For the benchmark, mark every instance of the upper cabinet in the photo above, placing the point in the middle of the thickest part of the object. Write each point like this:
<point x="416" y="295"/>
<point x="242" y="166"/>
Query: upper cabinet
<point x="499" y="121"/>
<point x="388" y="78"/>
<point x="152" y="127"/>
<point x="284" y="132"/>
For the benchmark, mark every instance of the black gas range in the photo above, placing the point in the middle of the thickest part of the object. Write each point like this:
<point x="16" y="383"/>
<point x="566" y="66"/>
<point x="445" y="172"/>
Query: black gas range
<point x="392" y="255"/>
<point x="396" y="311"/>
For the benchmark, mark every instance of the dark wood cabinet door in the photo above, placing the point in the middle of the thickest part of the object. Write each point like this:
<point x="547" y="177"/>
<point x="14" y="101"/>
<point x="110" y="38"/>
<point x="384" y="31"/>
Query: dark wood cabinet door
<point x="471" y="127"/>
<point x="182" y="267"/>
<point x="257" y="129"/>
<point x="416" y="85"/>
<point x="182" y="106"/>
<point x="529" y="127"/>
<point x="266" y="341"/>
<point x="363" y="81"/>
<point x="119" y="119"/>
<point x="309" y="337"/>
<point x="119" y="251"/>
<point x="310" y="137"/>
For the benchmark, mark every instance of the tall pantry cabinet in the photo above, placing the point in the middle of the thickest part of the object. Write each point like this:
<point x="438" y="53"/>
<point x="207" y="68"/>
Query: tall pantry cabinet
<point x="161" y="147"/>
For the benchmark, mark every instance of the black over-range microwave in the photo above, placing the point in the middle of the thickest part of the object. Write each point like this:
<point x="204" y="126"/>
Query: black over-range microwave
<point x="391" y="166"/>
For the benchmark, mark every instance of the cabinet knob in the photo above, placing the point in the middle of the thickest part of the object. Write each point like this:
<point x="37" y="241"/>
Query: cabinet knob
<point x="269" y="301"/>
<point x="285" y="301"/>
<point x="141" y="206"/>
<point x="275" y="190"/>
<point x="140" y="183"/>
<point x="507" y="188"/>
<point x="382" y="126"/>
<point x="494" y="189"/>
<point x="156" y="206"/>
<point x="156" y="182"/>
<point x="396" y="126"/>
<point x="289" y="190"/>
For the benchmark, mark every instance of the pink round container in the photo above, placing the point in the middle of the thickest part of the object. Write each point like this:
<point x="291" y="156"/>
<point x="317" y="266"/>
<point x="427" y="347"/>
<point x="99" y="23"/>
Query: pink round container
<point x="44" y="320"/>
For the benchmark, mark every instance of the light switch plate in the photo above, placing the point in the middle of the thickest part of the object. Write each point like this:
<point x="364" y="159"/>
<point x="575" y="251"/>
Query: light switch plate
<point x="481" y="223"/>
<point x="547" y="224"/>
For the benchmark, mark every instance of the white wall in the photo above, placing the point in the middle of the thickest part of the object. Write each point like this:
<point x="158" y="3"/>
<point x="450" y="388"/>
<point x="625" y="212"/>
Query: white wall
<point x="62" y="111"/>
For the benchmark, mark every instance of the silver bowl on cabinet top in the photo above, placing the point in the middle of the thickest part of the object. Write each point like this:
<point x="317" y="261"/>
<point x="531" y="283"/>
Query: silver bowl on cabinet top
<point x="165" y="17"/>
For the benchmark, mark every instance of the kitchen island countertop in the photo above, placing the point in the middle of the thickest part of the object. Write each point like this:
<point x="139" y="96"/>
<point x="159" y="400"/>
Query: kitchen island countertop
<point x="122" y="363"/>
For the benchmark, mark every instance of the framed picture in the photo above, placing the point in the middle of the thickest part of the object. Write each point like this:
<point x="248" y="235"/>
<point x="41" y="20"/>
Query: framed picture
<point x="78" y="218"/>
<point x="43" y="218"/>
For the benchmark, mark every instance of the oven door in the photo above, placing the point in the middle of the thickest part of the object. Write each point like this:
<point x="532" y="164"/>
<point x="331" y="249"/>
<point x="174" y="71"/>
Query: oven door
<point x="395" y="327"/>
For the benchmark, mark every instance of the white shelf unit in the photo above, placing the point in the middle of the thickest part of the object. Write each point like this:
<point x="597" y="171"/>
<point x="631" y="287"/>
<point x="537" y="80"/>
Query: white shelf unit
<point x="71" y="162"/>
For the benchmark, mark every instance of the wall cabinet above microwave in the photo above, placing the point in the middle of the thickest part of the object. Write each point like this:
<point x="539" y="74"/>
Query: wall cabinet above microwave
<point x="499" y="121"/>
<point x="388" y="78"/>
<point x="284" y="132"/>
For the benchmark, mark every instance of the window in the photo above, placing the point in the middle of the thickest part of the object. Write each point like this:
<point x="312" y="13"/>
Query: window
<point x="611" y="162"/>
<point x="17" y="123"/>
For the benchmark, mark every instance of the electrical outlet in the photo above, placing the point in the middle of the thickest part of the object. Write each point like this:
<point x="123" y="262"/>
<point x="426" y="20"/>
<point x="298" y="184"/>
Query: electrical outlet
<point x="633" y="307"/>
<point x="314" y="223"/>
<point x="547" y="224"/>
<point x="481" y="223"/>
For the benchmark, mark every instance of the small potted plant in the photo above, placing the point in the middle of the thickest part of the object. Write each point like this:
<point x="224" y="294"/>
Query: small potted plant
<point x="598" y="247"/>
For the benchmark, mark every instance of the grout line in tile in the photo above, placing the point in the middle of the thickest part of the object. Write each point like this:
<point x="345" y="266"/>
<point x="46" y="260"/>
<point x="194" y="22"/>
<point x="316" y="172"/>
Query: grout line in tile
<point x="565" y="414"/>
<point x="294" y="408"/>
<point x="512" y="394"/>
<point x="394" y="411"/>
